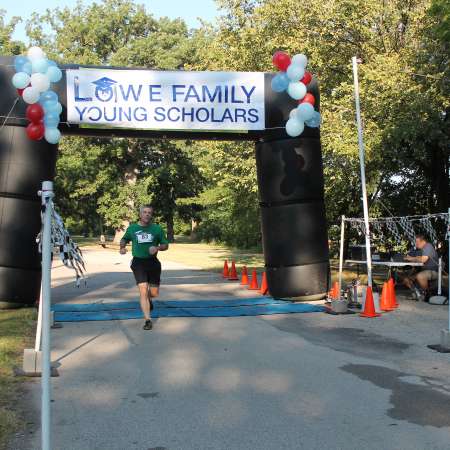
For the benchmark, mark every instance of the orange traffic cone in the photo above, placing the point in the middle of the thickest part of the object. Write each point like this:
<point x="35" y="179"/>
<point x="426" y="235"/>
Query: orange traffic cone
<point x="226" y="272"/>
<point x="369" y="307"/>
<point x="244" y="277"/>
<point x="391" y="291"/>
<point x="384" y="300"/>
<point x="264" y="287"/>
<point x="233" y="274"/>
<point x="331" y="293"/>
<point x="254" y="282"/>
<point x="334" y="292"/>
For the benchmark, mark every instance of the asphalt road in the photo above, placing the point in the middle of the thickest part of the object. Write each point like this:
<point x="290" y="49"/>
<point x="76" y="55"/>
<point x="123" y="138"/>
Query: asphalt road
<point x="304" y="381"/>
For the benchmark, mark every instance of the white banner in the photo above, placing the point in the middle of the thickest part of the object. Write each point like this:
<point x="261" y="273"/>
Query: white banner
<point x="160" y="100"/>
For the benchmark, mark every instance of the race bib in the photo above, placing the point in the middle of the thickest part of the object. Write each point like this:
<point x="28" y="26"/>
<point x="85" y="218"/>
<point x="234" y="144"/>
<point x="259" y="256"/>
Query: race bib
<point x="144" y="238"/>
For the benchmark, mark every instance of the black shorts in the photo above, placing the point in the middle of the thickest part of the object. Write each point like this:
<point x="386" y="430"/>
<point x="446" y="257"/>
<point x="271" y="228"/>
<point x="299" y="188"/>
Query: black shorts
<point x="146" y="270"/>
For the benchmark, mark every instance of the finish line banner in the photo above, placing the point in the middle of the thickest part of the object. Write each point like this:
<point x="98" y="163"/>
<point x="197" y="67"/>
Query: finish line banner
<point x="159" y="100"/>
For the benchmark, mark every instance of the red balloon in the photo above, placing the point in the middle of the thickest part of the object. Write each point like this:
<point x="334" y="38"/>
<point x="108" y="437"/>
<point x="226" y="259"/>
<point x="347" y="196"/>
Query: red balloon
<point x="35" y="113"/>
<point x="281" y="60"/>
<point x="306" y="78"/>
<point x="35" y="131"/>
<point x="308" y="98"/>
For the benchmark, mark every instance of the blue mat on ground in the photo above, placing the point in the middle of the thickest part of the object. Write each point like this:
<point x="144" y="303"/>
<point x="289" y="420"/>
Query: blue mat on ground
<point x="273" y="307"/>
<point x="93" y="307"/>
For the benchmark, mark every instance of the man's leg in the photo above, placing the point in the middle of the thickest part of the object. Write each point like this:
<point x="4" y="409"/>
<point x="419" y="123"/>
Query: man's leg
<point x="408" y="282"/>
<point x="144" y="299"/>
<point x="153" y="291"/>
<point x="422" y="279"/>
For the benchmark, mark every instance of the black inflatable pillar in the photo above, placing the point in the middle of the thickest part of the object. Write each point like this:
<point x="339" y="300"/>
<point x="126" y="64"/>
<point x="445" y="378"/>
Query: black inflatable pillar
<point x="24" y="164"/>
<point x="294" y="231"/>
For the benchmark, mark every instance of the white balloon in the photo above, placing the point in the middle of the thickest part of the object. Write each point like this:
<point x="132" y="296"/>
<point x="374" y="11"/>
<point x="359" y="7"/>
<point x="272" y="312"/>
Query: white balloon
<point x="299" y="60"/>
<point x="305" y="111"/>
<point x="295" y="72"/>
<point x="293" y="113"/>
<point x="20" y="80"/>
<point x="40" y="81"/>
<point x="35" y="53"/>
<point x="294" y="127"/>
<point x="30" y="95"/>
<point x="296" y="90"/>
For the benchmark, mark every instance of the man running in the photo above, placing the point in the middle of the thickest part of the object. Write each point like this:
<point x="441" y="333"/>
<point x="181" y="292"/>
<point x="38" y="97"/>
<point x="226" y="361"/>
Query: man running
<point x="147" y="239"/>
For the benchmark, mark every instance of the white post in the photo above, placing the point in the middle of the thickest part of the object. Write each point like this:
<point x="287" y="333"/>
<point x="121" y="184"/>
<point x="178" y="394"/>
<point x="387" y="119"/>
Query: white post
<point x="37" y="343"/>
<point x="363" y="173"/>
<point x="46" y="196"/>
<point x="341" y="253"/>
<point x="439" y="292"/>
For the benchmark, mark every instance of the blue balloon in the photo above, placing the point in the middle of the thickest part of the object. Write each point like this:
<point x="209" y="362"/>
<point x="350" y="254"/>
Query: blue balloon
<point x="19" y="61"/>
<point x="20" y="80"/>
<point x="315" y="121"/>
<point x="295" y="72"/>
<point x="51" y="119"/>
<point x="54" y="74"/>
<point x="52" y="135"/>
<point x="51" y="63"/>
<point x="52" y="107"/>
<point x="39" y="65"/>
<point x="294" y="127"/>
<point x="48" y="96"/>
<point x="49" y="106"/>
<point x="305" y="111"/>
<point x="280" y="82"/>
<point x="27" y="68"/>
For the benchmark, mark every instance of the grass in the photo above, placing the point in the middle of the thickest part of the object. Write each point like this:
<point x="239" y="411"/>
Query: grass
<point x="210" y="256"/>
<point x="16" y="331"/>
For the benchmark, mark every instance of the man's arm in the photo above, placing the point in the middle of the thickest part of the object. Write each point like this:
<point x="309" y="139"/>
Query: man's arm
<point x="123" y="242"/>
<point x="163" y="242"/>
<point x="422" y="259"/>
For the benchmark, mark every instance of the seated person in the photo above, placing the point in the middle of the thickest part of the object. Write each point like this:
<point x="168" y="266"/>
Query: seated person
<point x="427" y="272"/>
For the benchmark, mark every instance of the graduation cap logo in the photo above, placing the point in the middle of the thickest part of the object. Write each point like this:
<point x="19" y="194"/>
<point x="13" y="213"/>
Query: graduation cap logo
<point x="104" y="88"/>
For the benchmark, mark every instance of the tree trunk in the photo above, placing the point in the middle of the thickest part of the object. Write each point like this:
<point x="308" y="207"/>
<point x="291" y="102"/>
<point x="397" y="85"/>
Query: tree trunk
<point x="130" y="178"/>
<point x="439" y="178"/>
<point x="170" y="231"/>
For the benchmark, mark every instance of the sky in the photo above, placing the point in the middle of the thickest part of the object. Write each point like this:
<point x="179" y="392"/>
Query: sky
<point x="189" y="10"/>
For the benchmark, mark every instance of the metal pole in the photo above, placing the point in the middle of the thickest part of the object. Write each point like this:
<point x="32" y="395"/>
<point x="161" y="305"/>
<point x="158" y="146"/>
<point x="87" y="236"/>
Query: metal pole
<point x="37" y="343"/>
<point x="363" y="173"/>
<point x="46" y="195"/>
<point x="448" y="297"/>
<point x="341" y="253"/>
<point x="439" y="292"/>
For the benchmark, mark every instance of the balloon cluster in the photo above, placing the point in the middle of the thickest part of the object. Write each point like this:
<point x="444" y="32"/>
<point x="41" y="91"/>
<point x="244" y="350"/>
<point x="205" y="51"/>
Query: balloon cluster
<point x="294" y="78"/>
<point x="34" y="74"/>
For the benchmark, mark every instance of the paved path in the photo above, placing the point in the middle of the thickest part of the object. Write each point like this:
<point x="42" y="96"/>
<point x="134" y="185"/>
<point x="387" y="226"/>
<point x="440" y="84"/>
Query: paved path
<point x="306" y="381"/>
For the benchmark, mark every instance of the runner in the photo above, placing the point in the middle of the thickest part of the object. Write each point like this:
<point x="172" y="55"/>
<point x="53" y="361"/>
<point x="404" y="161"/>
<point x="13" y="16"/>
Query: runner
<point x="147" y="239"/>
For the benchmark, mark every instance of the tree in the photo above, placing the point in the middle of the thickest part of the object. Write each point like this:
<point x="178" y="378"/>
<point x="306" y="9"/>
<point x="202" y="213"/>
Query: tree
<point x="116" y="32"/>
<point x="9" y="46"/>
<point x="404" y="89"/>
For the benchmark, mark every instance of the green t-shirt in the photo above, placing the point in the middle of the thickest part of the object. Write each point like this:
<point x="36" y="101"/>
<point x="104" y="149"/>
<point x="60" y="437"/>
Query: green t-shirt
<point x="142" y="238"/>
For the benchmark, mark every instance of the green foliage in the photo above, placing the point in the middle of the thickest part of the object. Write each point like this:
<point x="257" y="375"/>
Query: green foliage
<point x="404" y="89"/>
<point x="230" y="201"/>
<point x="404" y="84"/>
<point x="8" y="46"/>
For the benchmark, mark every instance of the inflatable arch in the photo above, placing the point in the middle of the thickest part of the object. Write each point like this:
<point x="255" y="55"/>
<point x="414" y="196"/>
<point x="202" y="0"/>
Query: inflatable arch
<point x="232" y="106"/>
